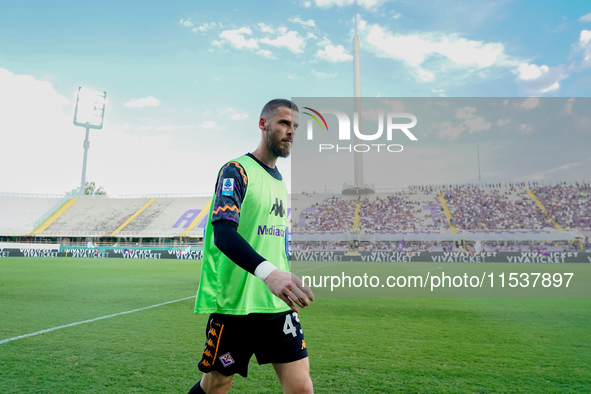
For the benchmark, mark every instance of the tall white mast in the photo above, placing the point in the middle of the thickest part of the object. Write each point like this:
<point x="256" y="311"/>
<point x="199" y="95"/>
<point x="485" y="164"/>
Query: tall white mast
<point x="356" y="58"/>
<point x="358" y="186"/>
<point x="357" y="158"/>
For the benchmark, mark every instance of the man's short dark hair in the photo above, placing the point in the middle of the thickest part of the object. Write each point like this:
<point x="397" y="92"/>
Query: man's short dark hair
<point x="270" y="109"/>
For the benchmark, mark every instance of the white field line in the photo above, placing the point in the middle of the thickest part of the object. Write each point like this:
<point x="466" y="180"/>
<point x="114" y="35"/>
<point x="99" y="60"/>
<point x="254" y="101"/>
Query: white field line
<point x="90" y="320"/>
<point x="131" y="311"/>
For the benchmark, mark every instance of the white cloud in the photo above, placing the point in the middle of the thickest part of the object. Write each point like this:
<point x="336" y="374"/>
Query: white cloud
<point x="439" y="92"/>
<point x="186" y="22"/>
<point x="369" y="5"/>
<point x="149" y="101"/>
<point x="470" y="122"/>
<point x="298" y="20"/>
<point x="163" y="128"/>
<point x="431" y="53"/>
<point x="334" y="54"/>
<point x="530" y="103"/>
<point x="237" y="39"/>
<point x="38" y="135"/>
<point x="473" y="122"/>
<point x="548" y="89"/>
<point x="209" y="125"/>
<point x="585" y="18"/>
<point x="457" y="50"/>
<point x="290" y="40"/>
<point x="424" y="75"/>
<point x="584" y="45"/>
<point x="538" y="80"/>
<point x="526" y="129"/>
<point x="324" y="41"/>
<point x="503" y="122"/>
<point x="234" y="114"/>
<point x="321" y="74"/>
<point x="466" y="113"/>
<point x="266" y="53"/>
<point x="449" y="132"/>
<point x="477" y="124"/>
<point x="266" y="28"/>
<point x="529" y="72"/>
<point x="310" y="36"/>
<point x="569" y="105"/>
<point x="207" y="26"/>
<point x="278" y="37"/>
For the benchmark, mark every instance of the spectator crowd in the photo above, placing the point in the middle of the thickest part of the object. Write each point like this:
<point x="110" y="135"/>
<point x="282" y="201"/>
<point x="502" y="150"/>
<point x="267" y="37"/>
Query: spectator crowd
<point x="493" y="207"/>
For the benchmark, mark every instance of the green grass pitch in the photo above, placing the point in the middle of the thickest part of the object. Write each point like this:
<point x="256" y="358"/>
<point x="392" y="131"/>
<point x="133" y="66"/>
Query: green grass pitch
<point x="356" y="344"/>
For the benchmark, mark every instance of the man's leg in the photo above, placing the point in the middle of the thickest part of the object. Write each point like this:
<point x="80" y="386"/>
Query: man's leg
<point x="213" y="383"/>
<point x="295" y="376"/>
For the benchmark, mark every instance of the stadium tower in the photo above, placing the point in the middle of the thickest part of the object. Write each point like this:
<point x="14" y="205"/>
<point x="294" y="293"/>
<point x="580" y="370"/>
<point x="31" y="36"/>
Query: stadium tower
<point x="358" y="187"/>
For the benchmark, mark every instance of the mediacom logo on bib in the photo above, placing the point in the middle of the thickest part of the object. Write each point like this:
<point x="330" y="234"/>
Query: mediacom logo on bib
<point x="277" y="231"/>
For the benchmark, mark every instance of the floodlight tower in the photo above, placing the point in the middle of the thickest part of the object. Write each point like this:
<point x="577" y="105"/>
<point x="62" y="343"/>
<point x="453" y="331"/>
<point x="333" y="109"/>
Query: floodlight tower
<point x="89" y="113"/>
<point x="358" y="187"/>
<point x="358" y="159"/>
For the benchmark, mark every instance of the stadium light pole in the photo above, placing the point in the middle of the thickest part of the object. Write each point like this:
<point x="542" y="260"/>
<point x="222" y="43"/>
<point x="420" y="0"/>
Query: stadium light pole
<point x="89" y="113"/>
<point x="359" y="186"/>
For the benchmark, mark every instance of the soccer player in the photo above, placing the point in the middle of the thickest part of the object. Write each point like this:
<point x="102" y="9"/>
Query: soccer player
<point x="246" y="287"/>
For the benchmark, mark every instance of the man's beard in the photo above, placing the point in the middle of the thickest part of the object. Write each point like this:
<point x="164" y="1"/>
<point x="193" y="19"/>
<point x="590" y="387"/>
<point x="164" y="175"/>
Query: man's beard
<point x="274" y="145"/>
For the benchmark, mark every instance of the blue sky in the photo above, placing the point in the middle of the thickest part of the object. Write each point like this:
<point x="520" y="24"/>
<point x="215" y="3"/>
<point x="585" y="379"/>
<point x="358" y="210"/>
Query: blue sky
<point x="185" y="80"/>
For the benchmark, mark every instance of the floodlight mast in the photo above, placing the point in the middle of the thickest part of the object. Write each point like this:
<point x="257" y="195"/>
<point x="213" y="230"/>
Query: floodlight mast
<point x="86" y="145"/>
<point x="89" y="113"/>
<point x="359" y="186"/>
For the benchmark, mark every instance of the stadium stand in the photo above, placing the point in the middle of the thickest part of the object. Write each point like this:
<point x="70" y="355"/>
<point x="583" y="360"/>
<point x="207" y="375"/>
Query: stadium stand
<point x="569" y="205"/>
<point x="508" y="217"/>
<point x="427" y="217"/>
<point x="400" y="211"/>
<point x="169" y="217"/>
<point x="101" y="218"/>
<point x="20" y="212"/>
<point x="94" y="216"/>
<point x="477" y="209"/>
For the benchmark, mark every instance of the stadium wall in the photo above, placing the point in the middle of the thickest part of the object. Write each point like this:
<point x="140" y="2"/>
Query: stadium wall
<point x="446" y="257"/>
<point x="197" y="253"/>
<point x="49" y="250"/>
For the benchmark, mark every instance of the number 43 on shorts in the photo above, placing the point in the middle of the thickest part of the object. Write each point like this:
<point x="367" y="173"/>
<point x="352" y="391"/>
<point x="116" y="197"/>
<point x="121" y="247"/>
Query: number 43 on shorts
<point x="289" y="327"/>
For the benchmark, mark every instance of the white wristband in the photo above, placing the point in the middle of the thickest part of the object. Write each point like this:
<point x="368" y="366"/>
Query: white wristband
<point x="263" y="270"/>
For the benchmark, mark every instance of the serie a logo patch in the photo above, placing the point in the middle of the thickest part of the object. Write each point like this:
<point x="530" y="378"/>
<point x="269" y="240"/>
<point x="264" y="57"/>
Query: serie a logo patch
<point x="228" y="187"/>
<point x="226" y="359"/>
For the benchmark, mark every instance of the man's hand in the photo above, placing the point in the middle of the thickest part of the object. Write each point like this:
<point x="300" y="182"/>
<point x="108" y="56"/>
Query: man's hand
<point x="290" y="289"/>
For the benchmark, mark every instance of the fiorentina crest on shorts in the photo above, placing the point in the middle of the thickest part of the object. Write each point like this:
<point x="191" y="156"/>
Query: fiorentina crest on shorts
<point x="226" y="359"/>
